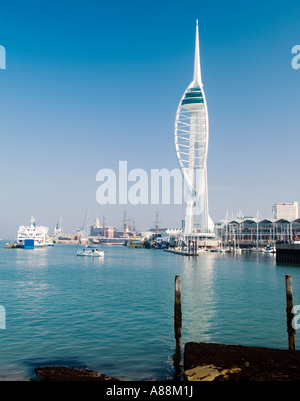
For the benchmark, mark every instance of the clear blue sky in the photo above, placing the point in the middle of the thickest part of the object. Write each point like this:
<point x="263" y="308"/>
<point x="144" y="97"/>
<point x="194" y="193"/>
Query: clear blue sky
<point x="90" y="83"/>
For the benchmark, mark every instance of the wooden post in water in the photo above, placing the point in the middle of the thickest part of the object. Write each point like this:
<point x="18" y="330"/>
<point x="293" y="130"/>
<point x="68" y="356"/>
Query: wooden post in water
<point x="177" y="311"/>
<point x="289" y="313"/>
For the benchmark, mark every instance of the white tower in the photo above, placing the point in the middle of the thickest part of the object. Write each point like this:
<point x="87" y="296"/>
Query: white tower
<point x="191" y="143"/>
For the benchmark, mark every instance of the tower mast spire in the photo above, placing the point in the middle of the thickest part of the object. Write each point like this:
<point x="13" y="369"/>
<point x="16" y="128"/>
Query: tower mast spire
<point x="197" y="67"/>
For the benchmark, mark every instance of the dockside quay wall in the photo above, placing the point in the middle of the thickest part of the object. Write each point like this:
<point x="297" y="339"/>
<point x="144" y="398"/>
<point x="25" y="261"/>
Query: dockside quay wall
<point x="288" y="253"/>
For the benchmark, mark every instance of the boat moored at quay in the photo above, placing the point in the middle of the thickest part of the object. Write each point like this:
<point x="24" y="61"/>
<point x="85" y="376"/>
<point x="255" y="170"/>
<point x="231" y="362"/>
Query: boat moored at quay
<point x="32" y="236"/>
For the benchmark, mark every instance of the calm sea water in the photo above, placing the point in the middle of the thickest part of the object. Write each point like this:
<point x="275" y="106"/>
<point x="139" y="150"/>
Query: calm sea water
<point x="115" y="315"/>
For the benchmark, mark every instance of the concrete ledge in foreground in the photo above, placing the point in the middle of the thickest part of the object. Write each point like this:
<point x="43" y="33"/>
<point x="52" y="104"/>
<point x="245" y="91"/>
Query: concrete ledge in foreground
<point x="61" y="373"/>
<point x="218" y="362"/>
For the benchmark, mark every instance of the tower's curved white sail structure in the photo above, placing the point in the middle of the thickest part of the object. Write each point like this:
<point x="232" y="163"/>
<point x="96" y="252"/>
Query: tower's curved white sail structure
<point x="191" y="143"/>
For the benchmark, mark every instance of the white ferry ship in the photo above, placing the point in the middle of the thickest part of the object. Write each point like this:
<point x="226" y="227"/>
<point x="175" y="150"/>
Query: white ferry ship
<point x="32" y="236"/>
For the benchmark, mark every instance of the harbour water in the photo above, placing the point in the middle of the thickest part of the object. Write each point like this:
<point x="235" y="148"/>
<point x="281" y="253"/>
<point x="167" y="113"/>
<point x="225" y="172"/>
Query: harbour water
<point x="115" y="315"/>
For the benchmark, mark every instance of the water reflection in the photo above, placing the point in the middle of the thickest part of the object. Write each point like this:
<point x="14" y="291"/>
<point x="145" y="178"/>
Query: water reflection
<point x="198" y="293"/>
<point x="90" y="261"/>
<point x="32" y="258"/>
<point x="216" y="291"/>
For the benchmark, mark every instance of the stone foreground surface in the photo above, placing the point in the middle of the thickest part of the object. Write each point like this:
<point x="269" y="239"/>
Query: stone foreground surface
<point x="61" y="373"/>
<point x="218" y="362"/>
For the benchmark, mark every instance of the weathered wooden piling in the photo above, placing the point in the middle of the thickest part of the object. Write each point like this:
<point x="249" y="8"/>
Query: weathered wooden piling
<point x="289" y="312"/>
<point x="177" y="311"/>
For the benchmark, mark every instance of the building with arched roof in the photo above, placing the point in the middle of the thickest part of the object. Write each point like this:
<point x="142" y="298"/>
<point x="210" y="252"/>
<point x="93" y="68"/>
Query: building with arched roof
<point x="257" y="232"/>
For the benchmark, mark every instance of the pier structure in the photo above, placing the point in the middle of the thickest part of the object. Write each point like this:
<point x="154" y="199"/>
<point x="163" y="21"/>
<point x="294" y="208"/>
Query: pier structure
<point x="250" y="231"/>
<point x="288" y="253"/>
<point x="191" y="144"/>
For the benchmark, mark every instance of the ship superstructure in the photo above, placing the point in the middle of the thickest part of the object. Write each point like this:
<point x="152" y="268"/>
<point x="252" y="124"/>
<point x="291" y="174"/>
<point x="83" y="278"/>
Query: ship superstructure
<point x="32" y="236"/>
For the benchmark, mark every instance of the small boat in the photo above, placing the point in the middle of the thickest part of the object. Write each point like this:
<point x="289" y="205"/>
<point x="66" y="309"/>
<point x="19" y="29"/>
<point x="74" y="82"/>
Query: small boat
<point x="200" y="250"/>
<point x="135" y="242"/>
<point x="90" y="251"/>
<point x="215" y="250"/>
<point x="270" y="249"/>
<point x="49" y="241"/>
<point x="257" y="249"/>
<point x="9" y="245"/>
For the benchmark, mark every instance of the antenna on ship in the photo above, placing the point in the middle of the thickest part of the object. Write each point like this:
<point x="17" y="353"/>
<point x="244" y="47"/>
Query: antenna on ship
<point x="85" y="224"/>
<point x="157" y="223"/>
<point x="125" y="223"/>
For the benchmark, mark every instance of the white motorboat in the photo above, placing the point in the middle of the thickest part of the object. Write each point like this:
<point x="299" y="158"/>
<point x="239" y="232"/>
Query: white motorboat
<point x="257" y="249"/>
<point x="90" y="251"/>
<point x="270" y="249"/>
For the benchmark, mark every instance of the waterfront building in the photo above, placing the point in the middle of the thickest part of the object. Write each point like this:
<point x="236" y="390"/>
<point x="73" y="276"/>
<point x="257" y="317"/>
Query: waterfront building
<point x="96" y="223"/>
<point x="102" y="231"/>
<point x="96" y="230"/>
<point x="191" y="144"/>
<point x="108" y="235"/>
<point x="252" y="231"/>
<point x="285" y="211"/>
